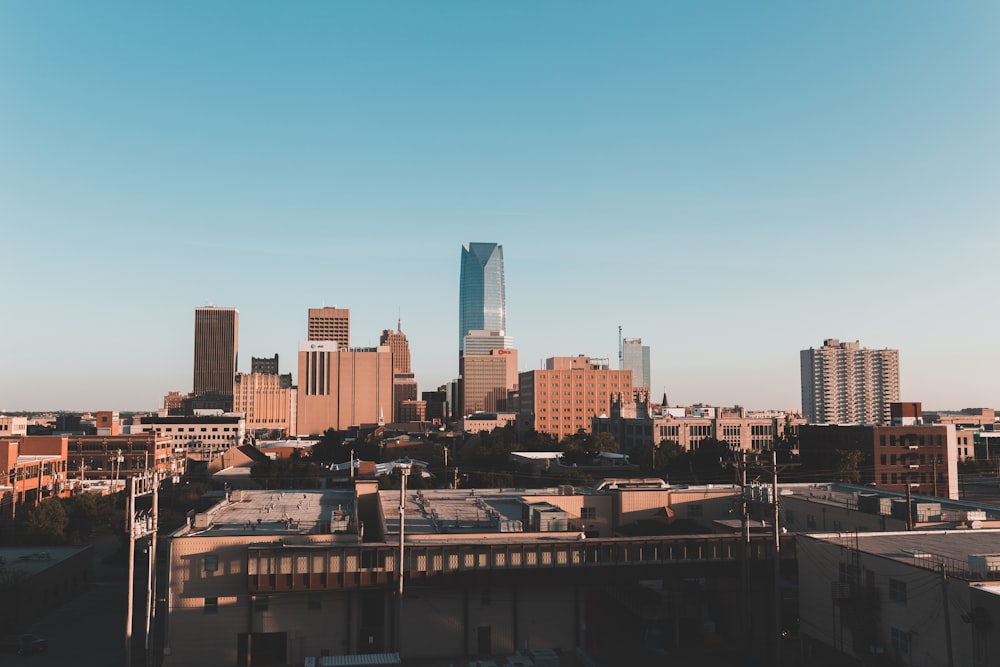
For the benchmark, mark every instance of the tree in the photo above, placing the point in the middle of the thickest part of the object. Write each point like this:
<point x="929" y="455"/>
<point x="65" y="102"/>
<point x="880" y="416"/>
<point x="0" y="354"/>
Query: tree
<point x="331" y="448"/>
<point x="848" y="465"/>
<point x="709" y="461"/>
<point x="287" y="474"/>
<point x="46" y="522"/>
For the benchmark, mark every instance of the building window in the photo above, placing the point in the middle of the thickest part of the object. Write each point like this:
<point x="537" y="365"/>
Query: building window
<point x="211" y="563"/>
<point x="261" y="603"/>
<point x="211" y="605"/>
<point x="810" y="520"/>
<point x="901" y="641"/>
<point x="588" y="513"/>
<point x="897" y="591"/>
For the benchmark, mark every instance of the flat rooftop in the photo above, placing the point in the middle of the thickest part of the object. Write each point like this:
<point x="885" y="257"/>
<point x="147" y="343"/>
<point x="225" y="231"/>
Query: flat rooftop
<point x="450" y="511"/>
<point x="32" y="560"/>
<point x="923" y="548"/>
<point x="275" y="513"/>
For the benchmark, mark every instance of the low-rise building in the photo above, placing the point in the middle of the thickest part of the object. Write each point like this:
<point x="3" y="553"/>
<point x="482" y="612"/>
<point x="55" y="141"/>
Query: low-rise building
<point x="913" y="598"/>
<point x="32" y="468"/>
<point x="892" y="457"/>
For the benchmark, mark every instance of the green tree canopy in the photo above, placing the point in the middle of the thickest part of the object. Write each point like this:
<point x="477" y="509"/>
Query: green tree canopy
<point x="46" y="522"/>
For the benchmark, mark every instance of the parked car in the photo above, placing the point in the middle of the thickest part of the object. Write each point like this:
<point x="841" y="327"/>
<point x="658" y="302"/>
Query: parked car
<point x="22" y="644"/>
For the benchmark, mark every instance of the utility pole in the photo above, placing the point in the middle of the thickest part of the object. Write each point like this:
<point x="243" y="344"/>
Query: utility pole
<point x="405" y="472"/>
<point x="130" y="526"/>
<point x="151" y="575"/>
<point x="947" y="614"/>
<point x="777" y="560"/>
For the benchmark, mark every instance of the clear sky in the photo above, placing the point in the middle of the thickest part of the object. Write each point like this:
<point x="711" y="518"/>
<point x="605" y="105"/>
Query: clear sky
<point x="730" y="181"/>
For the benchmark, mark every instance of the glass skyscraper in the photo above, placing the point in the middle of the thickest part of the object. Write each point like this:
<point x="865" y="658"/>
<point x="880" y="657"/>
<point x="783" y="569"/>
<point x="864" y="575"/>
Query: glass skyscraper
<point x="481" y="298"/>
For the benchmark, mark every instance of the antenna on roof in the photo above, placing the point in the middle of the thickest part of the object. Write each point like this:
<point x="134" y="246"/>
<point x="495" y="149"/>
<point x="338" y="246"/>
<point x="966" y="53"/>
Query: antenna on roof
<point x="621" y="350"/>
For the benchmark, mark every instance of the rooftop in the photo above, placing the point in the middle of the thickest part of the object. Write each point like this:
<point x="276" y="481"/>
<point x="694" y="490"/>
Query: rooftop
<point x="32" y="560"/>
<point x="444" y="511"/>
<point x="270" y="513"/>
<point x="926" y="549"/>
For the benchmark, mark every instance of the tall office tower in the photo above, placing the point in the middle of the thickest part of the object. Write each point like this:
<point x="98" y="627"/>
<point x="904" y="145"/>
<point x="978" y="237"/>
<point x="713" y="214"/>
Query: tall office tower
<point x="216" y="335"/>
<point x="481" y="294"/>
<point x="843" y="383"/>
<point x="404" y="385"/>
<point x="342" y="387"/>
<point x="635" y="358"/>
<point x="330" y="324"/>
<point x="564" y="398"/>
<point x="396" y="340"/>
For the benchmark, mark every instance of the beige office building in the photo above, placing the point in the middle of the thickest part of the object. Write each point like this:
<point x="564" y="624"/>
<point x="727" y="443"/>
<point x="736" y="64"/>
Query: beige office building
<point x="843" y="383"/>
<point x="330" y="324"/>
<point x="342" y="387"/>
<point x="266" y="400"/>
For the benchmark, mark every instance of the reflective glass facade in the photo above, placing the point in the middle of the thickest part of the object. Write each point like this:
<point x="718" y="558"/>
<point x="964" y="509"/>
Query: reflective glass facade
<point x="481" y="298"/>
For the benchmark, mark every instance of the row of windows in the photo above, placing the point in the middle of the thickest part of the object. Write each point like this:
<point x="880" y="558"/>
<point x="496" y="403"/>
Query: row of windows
<point x="911" y="459"/>
<point x="203" y="429"/>
<point x="894" y="478"/>
<point x="906" y="440"/>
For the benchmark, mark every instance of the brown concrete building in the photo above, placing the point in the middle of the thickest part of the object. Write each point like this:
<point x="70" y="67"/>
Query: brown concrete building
<point x="216" y="343"/>
<point x="118" y="457"/>
<point x="340" y="388"/>
<point x="330" y="324"/>
<point x="893" y="456"/>
<point x="487" y="380"/>
<point x="411" y="411"/>
<point x="286" y="577"/>
<point x="564" y="398"/>
<point x="843" y="383"/>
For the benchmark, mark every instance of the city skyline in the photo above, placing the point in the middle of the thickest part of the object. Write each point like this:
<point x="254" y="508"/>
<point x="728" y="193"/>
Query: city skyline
<point x="729" y="183"/>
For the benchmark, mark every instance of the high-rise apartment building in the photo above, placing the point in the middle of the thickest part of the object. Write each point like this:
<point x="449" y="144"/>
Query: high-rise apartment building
<point x="843" y="383"/>
<point x="564" y="398"/>
<point x="635" y="358"/>
<point x="481" y="298"/>
<point x="330" y="324"/>
<point x="216" y="337"/>
<point x="342" y="387"/>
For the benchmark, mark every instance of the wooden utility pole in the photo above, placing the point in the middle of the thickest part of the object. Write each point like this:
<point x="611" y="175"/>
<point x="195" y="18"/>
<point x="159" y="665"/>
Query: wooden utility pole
<point x="130" y="523"/>
<point x="777" y="560"/>
<point x="947" y="615"/>
<point x="404" y="473"/>
<point x="151" y="574"/>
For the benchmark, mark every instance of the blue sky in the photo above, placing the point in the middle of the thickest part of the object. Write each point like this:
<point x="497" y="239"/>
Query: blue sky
<point x="732" y="182"/>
